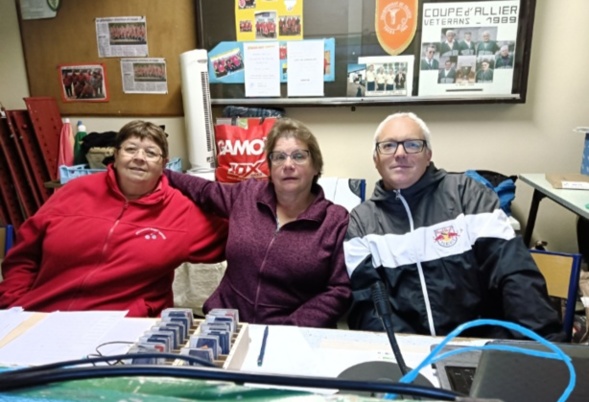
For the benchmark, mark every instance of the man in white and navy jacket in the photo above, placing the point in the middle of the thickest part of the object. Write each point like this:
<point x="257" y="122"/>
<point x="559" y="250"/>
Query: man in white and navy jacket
<point x="442" y="246"/>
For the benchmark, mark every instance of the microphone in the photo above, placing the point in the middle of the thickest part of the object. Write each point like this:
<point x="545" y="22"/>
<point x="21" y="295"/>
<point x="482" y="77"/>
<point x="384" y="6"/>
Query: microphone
<point x="380" y="298"/>
<point x="383" y="371"/>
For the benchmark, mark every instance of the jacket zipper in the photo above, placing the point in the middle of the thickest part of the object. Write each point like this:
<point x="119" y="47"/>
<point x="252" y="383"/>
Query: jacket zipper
<point x="428" y="307"/>
<point x="113" y="227"/>
<point x="258" y="286"/>
<point x="103" y="253"/>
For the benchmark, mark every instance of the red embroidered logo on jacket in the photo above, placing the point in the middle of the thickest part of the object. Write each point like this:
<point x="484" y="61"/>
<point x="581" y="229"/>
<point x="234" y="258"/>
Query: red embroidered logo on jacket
<point x="446" y="237"/>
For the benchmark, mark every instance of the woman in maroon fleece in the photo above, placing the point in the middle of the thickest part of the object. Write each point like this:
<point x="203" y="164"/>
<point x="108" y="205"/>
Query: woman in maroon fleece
<point x="111" y="241"/>
<point x="285" y="260"/>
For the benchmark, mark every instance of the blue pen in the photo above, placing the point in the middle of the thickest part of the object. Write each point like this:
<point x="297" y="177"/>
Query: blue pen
<point x="263" y="348"/>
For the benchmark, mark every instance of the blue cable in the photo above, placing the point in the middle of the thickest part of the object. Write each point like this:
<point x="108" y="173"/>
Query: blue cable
<point x="557" y="353"/>
<point x="505" y="348"/>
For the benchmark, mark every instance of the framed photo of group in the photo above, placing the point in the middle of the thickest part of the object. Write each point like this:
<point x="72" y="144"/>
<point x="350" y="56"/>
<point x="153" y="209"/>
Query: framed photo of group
<point x="377" y="51"/>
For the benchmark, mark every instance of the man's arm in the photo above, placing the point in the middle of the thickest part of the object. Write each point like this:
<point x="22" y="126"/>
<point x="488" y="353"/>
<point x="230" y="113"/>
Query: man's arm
<point x="326" y="308"/>
<point x="507" y="265"/>
<point x="362" y="274"/>
<point x="524" y="294"/>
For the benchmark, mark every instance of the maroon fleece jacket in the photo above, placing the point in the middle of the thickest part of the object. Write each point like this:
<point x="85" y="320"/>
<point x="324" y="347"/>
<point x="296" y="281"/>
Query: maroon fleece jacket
<point x="295" y="275"/>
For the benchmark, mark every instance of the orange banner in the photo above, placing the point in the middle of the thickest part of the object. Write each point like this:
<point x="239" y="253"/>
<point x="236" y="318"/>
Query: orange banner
<point x="395" y="22"/>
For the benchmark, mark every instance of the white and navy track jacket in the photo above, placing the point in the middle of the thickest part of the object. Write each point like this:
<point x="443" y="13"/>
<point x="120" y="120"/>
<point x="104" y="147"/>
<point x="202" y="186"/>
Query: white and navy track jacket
<point x="447" y="255"/>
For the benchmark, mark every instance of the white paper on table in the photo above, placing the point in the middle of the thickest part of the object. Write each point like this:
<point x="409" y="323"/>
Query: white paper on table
<point x="61" y="336"/>
<point x="261" y="62"/>
<point x="12" y="318"/>
<point x="287" y="352"/>
<point x="305" y="68"/>
<point x="123" y="334"/>
<point x="575" y="185"/>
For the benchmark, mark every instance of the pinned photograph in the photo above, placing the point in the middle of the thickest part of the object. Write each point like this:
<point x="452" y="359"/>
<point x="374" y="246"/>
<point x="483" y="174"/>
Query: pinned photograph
<point x="465" y="71"/>
<point x="484" y="72"/>
<point x="245" y="26"/>
<point x="149" y="72"/>
<point x="127" y="33"/>
<point x="388" y="75"/>
<point x="356" y="80"/>
<point x="471" y="56"/>
<point x="227" y="63"/>
<point x="289" y="25"/>
<point x="504" y="59"/>
<point x="83" y="83"/>
<point x="243" y="4"/>
<point x="447" y="74"/>
<point x="266" y="25"/>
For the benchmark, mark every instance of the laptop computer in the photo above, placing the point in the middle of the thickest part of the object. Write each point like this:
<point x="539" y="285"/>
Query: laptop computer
<point x="513" y="377"/>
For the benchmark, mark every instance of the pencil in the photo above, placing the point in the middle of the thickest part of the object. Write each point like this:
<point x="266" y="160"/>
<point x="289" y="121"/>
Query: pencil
<point x="263" y="348"/>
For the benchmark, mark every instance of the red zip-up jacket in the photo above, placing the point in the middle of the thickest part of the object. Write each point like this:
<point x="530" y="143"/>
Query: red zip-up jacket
<point x="88" y="248"/>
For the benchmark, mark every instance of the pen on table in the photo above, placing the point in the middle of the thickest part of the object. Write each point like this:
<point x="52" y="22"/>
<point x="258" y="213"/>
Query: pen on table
<point x="263" y="348"/>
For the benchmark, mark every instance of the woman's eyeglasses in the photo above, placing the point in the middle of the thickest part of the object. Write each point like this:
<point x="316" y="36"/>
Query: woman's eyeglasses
<point x="299" y="157"/>
<point x="150" y="154"/>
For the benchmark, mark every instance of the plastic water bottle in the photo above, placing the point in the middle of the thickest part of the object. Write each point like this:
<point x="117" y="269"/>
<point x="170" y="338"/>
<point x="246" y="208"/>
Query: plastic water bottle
<point x="79" y="157"/>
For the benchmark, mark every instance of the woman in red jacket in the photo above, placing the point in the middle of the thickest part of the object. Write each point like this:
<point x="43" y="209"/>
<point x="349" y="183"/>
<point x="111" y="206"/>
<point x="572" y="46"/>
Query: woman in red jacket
<point x="111" y="241"/>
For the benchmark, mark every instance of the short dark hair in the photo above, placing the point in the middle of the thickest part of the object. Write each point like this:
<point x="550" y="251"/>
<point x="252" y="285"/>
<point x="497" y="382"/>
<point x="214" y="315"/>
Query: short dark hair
<point x="143" y="129"/>
<point x="291" y="128"/>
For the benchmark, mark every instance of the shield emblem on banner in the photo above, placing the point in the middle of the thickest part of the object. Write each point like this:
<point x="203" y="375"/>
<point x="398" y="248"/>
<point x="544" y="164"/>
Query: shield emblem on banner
<point x="395" y="23"/>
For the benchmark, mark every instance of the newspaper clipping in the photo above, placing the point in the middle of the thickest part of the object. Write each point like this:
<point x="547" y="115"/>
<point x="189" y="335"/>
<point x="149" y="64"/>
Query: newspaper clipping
<point x="121" y="37"/>
<point x="144" y="76"/>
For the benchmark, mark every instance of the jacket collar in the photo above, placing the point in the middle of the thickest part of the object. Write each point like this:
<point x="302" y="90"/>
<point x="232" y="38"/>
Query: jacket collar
<point x="431" y="176"/>
<point x="155" y="197"/>
<point x="315" y="212"/>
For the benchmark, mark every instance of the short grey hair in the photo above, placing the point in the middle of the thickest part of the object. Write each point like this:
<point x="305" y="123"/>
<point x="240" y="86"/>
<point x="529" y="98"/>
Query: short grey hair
<point x="424" y="129"/>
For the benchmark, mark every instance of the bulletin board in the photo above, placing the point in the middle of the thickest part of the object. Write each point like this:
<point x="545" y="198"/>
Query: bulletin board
<point x="70" y="39"/>
<point x="351" y="23"/>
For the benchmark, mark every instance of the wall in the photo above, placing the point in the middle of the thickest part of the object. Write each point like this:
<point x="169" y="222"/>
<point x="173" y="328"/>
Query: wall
<point x="529" y="138"/>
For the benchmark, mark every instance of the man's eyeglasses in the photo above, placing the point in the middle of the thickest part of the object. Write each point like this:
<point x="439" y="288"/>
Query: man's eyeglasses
<point x="410" y="146"/>
<point x="150" y="154"/>
<point x="300" y="157"/>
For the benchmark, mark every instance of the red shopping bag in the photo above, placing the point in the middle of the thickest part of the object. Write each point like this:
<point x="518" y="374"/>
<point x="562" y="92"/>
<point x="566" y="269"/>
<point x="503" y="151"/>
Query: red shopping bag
<point x="240" y="149"/>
